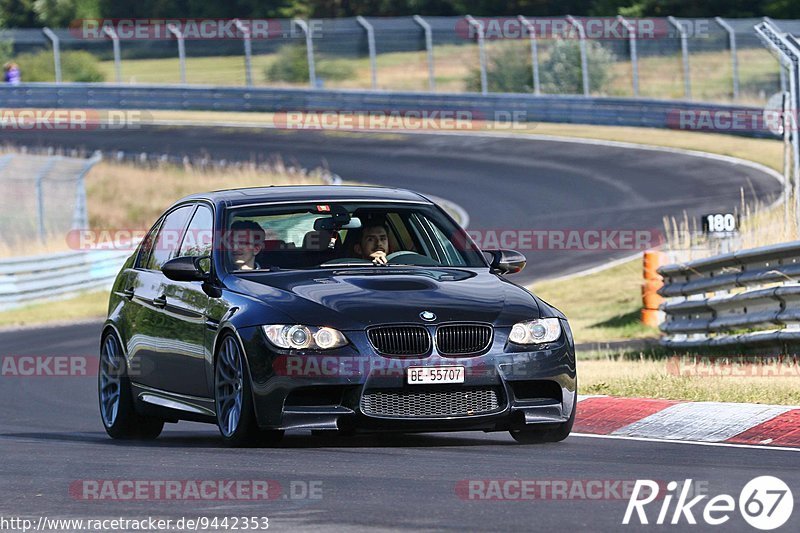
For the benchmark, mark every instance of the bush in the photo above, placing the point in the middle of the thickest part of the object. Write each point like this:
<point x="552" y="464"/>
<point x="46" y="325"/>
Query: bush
<point x="76" y="65"/>
<point x="291" y="65"/>
<point x="561" y="72"/>
<point x="508" y="68"/>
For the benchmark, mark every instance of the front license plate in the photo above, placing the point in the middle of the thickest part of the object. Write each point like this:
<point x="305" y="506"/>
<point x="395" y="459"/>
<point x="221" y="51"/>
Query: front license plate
<point x="421" y="375"/>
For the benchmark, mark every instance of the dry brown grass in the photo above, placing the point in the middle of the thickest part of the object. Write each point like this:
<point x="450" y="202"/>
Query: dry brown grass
<point x="120" y="195"/>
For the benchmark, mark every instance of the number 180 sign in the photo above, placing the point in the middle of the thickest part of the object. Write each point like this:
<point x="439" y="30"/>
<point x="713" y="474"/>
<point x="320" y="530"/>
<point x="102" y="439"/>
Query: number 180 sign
<point x="720" y="224"/>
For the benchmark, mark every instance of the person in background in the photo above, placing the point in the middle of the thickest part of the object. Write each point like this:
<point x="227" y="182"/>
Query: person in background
<point x="12" y="74"/>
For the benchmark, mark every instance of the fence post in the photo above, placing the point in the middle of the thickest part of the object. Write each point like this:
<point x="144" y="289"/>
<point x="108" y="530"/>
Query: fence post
<point x="584" y="64"/>
<point x="312" y="69"/>
<point x="534" y="53"/>
<point x="734" y="58"/>
<point x="56" y="51"/>
<point x="429" y="47"/>
<point x="794" y="89"/>
<point x="634" y="56"/>
<point x="173" y="29"/>
<point x="373" y="64"/>
<point x="40" y="196"/>
<point x="80" y="217"/>
<point x="481" y="52"/>
<point x="781" y="72"/>
<point x="789" y="54"/>
<point x="112" y="34"/>
<point x="248" y="51"/>
<point x="687" y="82"/>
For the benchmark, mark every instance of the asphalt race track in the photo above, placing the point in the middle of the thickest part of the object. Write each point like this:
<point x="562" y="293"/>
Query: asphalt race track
<point x="504" y="184"/>
<point x="52" y="440"/>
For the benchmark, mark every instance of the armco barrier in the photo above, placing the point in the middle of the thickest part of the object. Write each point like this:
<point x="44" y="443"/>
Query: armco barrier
<point x="38" y="278"/>
<point x="747" y="298"/>
<point x="504" y="107"/>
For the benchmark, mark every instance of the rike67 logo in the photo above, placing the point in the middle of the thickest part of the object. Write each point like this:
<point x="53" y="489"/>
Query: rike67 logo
<point x="765" y="503"/>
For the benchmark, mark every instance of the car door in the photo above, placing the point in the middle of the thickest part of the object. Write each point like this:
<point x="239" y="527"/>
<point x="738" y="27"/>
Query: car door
<point x="184" y="365"/>
<point x="153" y="335"/>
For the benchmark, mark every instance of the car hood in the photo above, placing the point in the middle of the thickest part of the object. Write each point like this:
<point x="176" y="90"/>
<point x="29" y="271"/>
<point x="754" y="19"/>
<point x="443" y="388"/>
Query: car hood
<point x="350" y="299"/>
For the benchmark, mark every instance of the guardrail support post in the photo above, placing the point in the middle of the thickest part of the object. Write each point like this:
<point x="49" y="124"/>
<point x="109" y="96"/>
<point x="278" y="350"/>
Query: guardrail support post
<point x="481" y="52"/>
<point x="634" y="56"/>
<point x="373" y="64"/>
<point x="112" y="34"/>
<point x="734" y="59"/>
<point x="429" y="48"/>
<point x="687" y="80"/>
<point x="173" y="29"/>
<point x="584" y="64"/>
<point x="312" y="69"/>
<point x="248" y="51"/>
<point x="537" y="90"/>
<point x="56" y="51"/>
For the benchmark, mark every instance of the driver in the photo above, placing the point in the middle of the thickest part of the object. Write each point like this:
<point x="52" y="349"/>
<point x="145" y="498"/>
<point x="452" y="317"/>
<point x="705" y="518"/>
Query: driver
<point x="373" y="244"/>
<point x="246" y="239"/>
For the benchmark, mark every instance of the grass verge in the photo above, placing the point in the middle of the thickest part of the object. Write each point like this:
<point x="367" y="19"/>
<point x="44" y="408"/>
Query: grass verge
<point x="603" y="306"/>
<point x="647" y="378"/>
<point x="85" y="306"/>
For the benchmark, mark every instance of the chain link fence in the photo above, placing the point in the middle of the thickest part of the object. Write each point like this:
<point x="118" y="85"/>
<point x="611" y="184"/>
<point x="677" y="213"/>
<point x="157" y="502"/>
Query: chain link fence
<point x="718" y="60"/>
<point x="42" y="197"/>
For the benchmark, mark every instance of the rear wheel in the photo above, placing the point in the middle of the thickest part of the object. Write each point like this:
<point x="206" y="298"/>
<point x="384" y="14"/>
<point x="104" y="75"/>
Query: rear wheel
<point x="117" y="412"/>
<point x="541" y="436"/>
<point x="233" y="399"/>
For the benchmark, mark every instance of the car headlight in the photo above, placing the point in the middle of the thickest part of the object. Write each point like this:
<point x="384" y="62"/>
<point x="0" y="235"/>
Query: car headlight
<point x="299" y="337"/>
<point x="536" y="331"/>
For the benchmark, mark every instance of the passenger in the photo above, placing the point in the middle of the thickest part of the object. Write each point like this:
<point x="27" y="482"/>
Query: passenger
<point x="373" y="244"/>
<point x="246" y="240"/>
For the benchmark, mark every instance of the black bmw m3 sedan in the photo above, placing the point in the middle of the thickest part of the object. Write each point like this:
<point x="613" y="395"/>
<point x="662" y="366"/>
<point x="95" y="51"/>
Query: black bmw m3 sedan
<point x="334" y="308"/>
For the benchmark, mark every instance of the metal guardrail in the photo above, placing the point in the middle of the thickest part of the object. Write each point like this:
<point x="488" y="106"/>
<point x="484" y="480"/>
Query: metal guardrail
<point x="503" y="107"/>
<point x="745" y="298"/>
<point x="39" y="278"/>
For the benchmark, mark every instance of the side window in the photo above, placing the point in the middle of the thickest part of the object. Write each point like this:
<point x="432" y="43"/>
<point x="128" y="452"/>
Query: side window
<point x="147" y="246"/>
<point x="197" y="241"/>
<point x="169" y="237"/>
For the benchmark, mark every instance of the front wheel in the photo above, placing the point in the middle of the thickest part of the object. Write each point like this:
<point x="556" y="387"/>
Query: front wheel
<point x="233" y="399"/>
<point x="541" y="436"/>
<point x="117" y="412"/>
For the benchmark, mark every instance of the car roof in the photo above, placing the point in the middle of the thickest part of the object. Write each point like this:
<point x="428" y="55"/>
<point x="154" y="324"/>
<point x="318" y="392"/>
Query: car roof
<point x="305" y="193"/>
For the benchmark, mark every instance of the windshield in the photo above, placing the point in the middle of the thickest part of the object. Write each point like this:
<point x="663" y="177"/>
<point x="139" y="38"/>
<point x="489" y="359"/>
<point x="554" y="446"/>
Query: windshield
<point x="305" y="236"/>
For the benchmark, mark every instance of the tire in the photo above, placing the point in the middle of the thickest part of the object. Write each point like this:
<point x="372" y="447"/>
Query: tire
<point x="233" y="399"/>
<point x="541" y="436"/>
<point x="117" y="412"/>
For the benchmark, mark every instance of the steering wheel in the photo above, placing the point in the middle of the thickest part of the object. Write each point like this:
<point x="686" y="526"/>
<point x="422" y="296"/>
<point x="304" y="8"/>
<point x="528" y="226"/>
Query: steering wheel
<point x="398" y="254"/>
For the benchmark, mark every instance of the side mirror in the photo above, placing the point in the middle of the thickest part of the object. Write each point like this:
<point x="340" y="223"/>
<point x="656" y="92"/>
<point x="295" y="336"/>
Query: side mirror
<point x="506" y="261"/>
<point x="187" y="268"/>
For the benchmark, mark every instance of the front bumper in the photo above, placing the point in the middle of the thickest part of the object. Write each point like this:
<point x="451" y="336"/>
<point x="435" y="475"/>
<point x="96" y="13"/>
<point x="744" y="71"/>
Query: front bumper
<point x="294" y="390"/>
